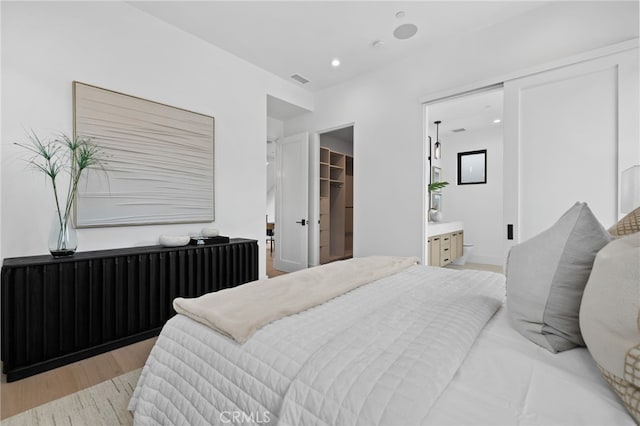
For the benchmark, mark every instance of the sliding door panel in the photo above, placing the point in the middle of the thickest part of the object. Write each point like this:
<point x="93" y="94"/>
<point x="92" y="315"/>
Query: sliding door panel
<point x="565" y="141"/>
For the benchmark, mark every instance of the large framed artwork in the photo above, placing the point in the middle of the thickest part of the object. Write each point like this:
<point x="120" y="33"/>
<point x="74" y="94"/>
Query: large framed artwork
<point x="159" y="161"/>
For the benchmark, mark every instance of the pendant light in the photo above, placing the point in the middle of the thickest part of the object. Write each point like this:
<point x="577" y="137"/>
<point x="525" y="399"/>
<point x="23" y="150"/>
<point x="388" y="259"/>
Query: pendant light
<point x="436" y="150"/>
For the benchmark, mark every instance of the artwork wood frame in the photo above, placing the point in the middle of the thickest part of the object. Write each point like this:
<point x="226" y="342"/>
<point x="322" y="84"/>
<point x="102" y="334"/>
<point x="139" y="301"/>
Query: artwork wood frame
<point x="472" y="167"/>
<point x="159" y="161"/>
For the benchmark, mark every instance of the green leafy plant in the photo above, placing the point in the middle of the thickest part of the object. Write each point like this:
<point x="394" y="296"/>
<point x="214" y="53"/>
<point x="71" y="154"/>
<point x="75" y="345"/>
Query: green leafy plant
<point x="436" y="186"/>
<point x="63" y="155"/>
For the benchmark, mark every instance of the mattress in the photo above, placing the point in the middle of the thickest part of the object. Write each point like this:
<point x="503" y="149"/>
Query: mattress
<point x="195" y="375"/>
<point x="508" y="380"/>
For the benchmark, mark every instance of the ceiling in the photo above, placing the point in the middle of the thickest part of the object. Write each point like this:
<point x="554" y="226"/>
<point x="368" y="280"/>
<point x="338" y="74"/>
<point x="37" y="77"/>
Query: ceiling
<point x="472" y="112"/>
<point x="302" y="37"/>
<point x="282" y="110"/>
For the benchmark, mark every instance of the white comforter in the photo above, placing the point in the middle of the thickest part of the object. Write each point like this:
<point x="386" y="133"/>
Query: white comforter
<point x="380" y="354"/>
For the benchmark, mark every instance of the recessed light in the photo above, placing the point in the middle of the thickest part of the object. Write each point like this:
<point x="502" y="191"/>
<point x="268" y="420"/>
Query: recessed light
<point x="400" y="14"/>
<point x="377" y="44"/>
<point x="497" y="120"/>
<point x="405" y="31"/>
<point x="335" y="62"/>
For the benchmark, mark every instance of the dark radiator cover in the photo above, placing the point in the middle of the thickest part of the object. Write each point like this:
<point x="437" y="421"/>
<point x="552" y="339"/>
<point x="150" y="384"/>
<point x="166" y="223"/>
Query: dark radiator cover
<point x="58" y="311"/>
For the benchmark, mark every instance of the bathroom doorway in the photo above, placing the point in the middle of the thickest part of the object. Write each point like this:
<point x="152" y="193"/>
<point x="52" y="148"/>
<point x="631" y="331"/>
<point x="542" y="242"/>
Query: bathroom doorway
<point x="469" y="126"/>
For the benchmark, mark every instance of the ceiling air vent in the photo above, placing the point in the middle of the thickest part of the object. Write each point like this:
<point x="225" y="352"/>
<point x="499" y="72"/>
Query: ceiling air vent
<point x="461" y="129"/>
<point x="300" y="79"/>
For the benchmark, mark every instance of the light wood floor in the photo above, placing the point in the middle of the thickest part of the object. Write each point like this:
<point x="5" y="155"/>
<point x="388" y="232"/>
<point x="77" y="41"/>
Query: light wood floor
<point x="36" y="390"/>
<point x="271" y="272"/>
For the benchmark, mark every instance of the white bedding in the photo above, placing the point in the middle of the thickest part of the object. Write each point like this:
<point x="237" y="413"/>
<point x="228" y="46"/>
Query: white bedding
<point x="508" y="380"/>
<point x="391" y="366"/>
<point x="239" y="311"/>
<point x="197" y="376"/>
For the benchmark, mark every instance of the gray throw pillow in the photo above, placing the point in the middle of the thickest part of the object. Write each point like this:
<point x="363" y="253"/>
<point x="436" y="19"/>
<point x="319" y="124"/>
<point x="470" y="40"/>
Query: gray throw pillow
<point x="546" y="276"/>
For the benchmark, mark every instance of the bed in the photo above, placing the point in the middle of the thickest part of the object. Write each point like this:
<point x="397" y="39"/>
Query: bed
<point x="424" y="345"/>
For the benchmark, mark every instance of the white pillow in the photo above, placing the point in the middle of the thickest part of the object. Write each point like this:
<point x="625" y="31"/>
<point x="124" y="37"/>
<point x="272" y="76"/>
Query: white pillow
<point x="610" y="318"/>
<point x="629" y="224"/>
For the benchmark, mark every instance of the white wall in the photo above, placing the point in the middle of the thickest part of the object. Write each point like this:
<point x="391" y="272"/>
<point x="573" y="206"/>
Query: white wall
<point x="478" y="206"/>
<point x="387" y="159"/>
<point x="1" y="162"/>
<point x="275" y="128"/>
<point x="336" y="144"/>
<point x="45" y="46"/>
<point x="388" y="134"/>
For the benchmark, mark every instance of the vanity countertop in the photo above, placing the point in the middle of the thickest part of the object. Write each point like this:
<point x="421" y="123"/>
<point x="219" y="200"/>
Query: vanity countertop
<point x="438" y="228"/>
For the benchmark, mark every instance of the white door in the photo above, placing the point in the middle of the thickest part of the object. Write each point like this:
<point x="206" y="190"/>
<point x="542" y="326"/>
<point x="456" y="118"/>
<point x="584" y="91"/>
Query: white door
<point x="292" y="203"/>
<point x="314" y="200"/>
<point x="568" y="134"/>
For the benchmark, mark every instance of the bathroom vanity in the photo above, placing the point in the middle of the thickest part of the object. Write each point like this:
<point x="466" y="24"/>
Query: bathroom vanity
<point x="445" y="241"/>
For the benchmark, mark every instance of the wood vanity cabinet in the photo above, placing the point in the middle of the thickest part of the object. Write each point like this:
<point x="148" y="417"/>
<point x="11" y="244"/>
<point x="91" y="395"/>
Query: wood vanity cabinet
<point x="457" y="243"/>
<point x="454" y="245"/>
<point x="445" y="248"/>
<point x="434" y="250"/>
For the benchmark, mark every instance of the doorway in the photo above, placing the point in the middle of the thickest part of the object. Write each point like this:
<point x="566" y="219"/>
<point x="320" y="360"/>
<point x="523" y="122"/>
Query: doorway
<point x="468" y="124"/>
<point x="336" y="183"/>
<point x="335" y="196"/>
<point x="279" y="112"/>
<point x="292" y="203"/>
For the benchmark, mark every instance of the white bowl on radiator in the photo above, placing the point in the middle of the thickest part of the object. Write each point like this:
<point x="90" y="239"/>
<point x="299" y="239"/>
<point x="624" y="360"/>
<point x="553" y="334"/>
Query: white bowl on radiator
<point x="210" y="232"/>
<point x="174" y="240"/>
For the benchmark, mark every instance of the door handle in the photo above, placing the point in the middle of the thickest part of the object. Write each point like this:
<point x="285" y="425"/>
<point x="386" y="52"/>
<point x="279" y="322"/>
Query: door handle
<point x="302" y="222"/>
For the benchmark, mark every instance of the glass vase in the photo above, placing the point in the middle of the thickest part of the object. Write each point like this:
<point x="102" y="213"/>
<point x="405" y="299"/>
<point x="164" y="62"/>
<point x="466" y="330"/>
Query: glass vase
<point x="62" y="238"/>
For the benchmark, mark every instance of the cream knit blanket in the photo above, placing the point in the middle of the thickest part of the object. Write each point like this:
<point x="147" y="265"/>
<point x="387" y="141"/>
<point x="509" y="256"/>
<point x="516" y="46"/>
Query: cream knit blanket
<point x="238" y="312"/>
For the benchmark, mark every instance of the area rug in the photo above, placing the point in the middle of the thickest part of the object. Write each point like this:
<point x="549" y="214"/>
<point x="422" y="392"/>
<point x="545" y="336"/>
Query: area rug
<point x="102" y="404"/>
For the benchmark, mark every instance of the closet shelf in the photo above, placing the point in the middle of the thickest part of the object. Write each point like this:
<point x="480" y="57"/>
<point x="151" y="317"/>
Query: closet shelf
<point x="336" y="197"/>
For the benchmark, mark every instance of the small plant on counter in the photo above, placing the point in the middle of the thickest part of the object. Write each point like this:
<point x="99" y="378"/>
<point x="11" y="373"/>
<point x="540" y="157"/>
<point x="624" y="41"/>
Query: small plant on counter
<point x="437" y="186"/>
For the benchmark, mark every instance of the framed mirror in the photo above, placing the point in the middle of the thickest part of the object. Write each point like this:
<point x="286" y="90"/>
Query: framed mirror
<point x="435" y="174"/>
<point x="472" y="167"/>
<point x="436" y="201"/>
